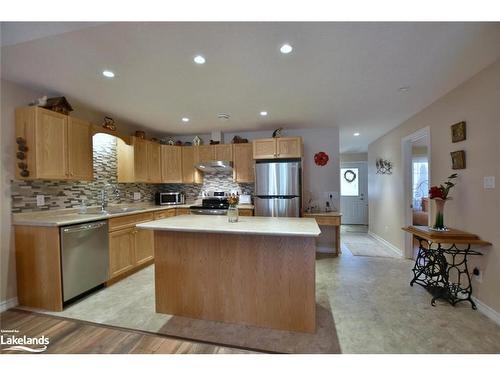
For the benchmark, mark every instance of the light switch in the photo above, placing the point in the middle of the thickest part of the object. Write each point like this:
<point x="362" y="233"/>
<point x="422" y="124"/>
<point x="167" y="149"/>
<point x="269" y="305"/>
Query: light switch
<point x="40" y="200"/>
<point x="137" y="196"/>
<point x="489" y="182"/>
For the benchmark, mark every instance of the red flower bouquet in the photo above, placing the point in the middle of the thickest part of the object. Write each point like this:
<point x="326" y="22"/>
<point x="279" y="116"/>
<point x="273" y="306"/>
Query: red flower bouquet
<point x="440" y="195"/>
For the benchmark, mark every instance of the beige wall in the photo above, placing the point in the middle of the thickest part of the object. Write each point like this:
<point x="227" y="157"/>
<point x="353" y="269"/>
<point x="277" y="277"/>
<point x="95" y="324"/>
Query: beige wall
<point x="473" y="208"/>
<point x="346" y="158"/>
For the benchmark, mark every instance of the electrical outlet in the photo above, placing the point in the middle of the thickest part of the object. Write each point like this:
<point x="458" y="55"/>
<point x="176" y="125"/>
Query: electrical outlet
<point x="137" y="196"/>
<point x="477" y="274"/>
<point x="40" y="200"/>
<point x="489" y="182"/>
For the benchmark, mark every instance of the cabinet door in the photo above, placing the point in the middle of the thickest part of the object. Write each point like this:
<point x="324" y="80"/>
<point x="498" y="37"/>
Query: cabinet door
<point x="171" y="164"/>
<point x="243" y="162"/>
<point x="264" y="148"/>
<point x="50" y="145"/>
<point x="144" y="245"/>
<point x="223" y="152"/>
<point x="141" y="160"/>
<point x="245" y="212"/>
<point x="121" y="251"/>
<point x="154" y="163"/>
<point x="187" y="164"/>
<point x="289" y="147"/>
<point x="125" y="161"/>
<point x="164" y="214"/>
<point x="204" y="153"/>
<point x="79" y="150"/>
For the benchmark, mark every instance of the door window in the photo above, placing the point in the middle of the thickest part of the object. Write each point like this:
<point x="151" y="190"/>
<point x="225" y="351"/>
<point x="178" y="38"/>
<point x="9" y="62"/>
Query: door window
<point x="349" y="182"/>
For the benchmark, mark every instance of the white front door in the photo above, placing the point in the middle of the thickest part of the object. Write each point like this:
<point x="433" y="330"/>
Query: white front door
<point x="354" y="193"/>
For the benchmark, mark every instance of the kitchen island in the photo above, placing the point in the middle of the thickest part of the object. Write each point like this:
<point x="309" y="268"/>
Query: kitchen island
<point x="258" y="271"/>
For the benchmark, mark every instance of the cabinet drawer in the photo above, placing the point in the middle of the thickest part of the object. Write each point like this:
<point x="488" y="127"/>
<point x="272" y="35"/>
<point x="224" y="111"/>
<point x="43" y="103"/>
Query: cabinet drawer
<point x="165" y="213"/>
<point x="129" y="220"/>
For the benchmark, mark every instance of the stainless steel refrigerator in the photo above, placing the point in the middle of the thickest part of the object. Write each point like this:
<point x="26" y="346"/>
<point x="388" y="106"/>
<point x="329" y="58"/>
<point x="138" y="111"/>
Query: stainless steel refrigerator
<point x="277" y="188"/>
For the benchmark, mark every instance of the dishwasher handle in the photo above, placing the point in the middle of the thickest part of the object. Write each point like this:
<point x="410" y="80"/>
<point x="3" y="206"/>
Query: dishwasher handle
<point x="84" y="227"/>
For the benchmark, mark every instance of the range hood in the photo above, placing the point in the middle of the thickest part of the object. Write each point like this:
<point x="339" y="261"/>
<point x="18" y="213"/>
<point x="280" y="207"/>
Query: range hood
<point x="215" y="166"/>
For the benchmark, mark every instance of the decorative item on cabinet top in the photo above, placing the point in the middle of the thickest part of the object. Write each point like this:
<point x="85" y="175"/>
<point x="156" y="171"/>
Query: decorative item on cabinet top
<point x="58" y="104"/>
<point x="237" y="139"/>
<point x="109" y="123"/>
<point x="384" y="166"/>
<point x="277" y="133"/>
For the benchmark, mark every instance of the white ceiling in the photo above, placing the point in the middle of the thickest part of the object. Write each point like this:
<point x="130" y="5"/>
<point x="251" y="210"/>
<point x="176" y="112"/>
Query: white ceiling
<point x="339" y="74"/>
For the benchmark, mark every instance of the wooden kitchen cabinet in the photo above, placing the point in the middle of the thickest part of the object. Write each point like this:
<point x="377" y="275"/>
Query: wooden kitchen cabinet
<point x="164" y="214"/>
<point x="204" y="153"/>
<point x="182" y="211"/>
<point x="80" y="158"/>
<point x="171" y="164"/>
<point x="144" y="246"/>
<point x="223" y="152"/>
<point x="277" y="148"/>
<point x="140" y="159"/>
<point x="130" y="248"/>
<point x="59" y="147"/>
<point x="190" y="174"/>
<point x="243" y="164"/>
<point x="121" y="251"/>
<point x="154" y="162"/>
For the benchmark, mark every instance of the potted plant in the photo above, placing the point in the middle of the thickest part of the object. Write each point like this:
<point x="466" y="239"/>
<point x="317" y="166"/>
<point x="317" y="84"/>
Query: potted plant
<point x="439" y="194"/>
<point x="232" y="211"/>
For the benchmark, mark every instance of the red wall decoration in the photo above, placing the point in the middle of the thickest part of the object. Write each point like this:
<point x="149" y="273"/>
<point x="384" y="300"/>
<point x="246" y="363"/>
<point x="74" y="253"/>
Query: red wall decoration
<point x="321" y="158"/>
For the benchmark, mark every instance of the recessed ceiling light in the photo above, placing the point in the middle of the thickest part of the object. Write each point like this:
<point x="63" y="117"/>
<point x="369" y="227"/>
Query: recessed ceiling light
<point x="263" y="113"/>
<point x="356" y="134"/>
<point x="404" y="89"/>
<point x="286" y="48"/>
<point x="199" y="59"/>
<point x="185" y="119"/>
<point x="108" y="73"/>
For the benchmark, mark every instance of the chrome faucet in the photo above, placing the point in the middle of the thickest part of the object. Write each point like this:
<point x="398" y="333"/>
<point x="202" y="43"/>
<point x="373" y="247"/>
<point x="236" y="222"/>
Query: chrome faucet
<point x="104" y="196"/>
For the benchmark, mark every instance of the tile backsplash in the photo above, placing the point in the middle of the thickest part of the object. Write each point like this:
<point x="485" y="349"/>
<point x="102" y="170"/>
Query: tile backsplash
<point x="67" y="194"/>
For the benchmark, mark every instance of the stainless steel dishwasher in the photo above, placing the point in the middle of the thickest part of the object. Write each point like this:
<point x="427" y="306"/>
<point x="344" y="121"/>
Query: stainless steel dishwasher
<point x="84" y="257"/>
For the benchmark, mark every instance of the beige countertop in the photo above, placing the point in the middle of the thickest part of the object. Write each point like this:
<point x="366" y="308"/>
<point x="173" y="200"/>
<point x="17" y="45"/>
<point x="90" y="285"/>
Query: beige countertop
<point x="69" y="216"/>
<point x="251" y="225"/>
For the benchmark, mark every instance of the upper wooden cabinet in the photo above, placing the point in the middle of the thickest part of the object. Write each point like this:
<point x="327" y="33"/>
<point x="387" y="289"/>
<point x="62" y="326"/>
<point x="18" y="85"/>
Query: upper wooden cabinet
<point x="140" y="159"/>
<point x="204" y="153"/>
<point x="243" y="167"/>
<point x="190" y="174"/>
<point x="80" y="157"/>
<point x="154" y="162"/>
<point x="277" y="148"/>
<point x="223" y="152"/>
<point x="171" y="164"/>
<point x="59" y="147"/>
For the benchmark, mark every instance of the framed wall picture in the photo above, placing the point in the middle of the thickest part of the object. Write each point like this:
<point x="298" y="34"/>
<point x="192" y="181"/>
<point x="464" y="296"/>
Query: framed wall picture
<point x="458" y="132"/>
<point x="458" y="159"/>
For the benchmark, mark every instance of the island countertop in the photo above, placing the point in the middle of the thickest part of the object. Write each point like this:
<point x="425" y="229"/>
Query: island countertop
<point x="251" y="225"/>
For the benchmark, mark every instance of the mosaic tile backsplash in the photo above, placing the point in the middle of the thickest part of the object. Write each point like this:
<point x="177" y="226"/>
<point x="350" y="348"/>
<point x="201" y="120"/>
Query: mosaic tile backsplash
<point x="67" y="194"/>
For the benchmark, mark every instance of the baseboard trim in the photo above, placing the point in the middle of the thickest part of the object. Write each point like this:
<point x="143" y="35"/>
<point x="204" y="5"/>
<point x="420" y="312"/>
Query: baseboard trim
<point x="486" y="310"/>
<point x="8" y="304"/>
<point x="393" y="248"/>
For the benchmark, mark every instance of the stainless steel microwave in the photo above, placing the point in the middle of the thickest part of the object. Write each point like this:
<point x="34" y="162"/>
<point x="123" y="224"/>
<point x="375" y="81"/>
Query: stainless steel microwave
<point x="163" y="199"/>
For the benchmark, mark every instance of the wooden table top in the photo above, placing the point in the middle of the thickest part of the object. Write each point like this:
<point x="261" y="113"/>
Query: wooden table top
<point x="452" y="236"/>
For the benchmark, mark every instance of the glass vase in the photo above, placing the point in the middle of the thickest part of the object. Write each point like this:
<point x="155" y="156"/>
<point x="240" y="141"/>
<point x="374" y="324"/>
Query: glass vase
<point x="439" y="222"/>
<point x="232" y="214"/>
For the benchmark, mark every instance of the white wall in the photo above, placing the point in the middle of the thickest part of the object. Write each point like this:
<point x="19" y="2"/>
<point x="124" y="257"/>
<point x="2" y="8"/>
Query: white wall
<point x="473" y="208"/>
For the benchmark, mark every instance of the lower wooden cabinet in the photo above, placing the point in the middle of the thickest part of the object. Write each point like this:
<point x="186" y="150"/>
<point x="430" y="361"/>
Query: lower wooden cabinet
<point x="121" y="251"/>
<point x="129" y="247"/>
<point x="164" y="213"/>
<point x="182" y="211"/>
<point x="144" y="246"/>
<point x="245" y="212"/>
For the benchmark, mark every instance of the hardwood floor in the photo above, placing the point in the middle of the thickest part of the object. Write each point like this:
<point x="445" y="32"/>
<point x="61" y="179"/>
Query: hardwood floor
<point x="75" y="337"/>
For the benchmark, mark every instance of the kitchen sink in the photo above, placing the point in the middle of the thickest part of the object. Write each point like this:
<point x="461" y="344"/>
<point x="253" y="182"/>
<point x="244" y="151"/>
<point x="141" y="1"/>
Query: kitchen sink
<point x="109" y="211"/>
